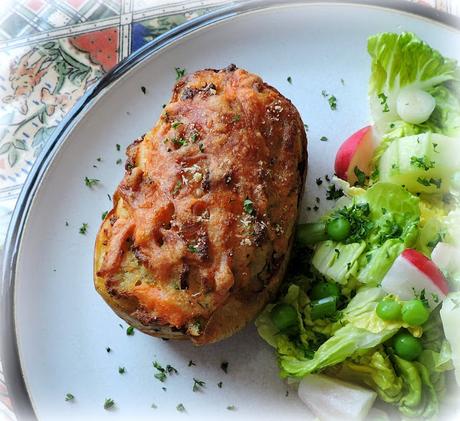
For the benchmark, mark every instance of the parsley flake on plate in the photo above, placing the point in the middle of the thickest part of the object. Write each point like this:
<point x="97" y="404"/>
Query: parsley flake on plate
<point x="224" y="366"/>
<point x="83" y="229"/>
<point x="91" y="182"/>
<point x="198" y="385"/>
<point x="180" y="72"/>
<point x="109" y="403"/>
<point x="69" y="397"/>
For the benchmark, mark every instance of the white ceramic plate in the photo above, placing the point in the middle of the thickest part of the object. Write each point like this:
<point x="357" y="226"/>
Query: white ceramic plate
<point x="61" y="325"/>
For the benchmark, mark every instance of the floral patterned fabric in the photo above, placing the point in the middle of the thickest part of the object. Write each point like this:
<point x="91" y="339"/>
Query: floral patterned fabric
<point x="51" y="52"/>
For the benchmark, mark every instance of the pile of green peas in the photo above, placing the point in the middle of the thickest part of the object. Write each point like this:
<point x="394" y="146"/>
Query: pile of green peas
<point x="324" y="296"/>
<point x="412" y="312"/>
<point x="337" y="228"/>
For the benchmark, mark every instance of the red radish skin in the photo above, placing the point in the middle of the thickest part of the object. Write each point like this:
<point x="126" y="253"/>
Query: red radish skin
<point x="426" y="266"/>
<point x="356" y="151"/>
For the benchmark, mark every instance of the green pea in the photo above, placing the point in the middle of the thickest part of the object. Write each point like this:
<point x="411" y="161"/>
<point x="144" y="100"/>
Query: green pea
<point x="414" y="313"/>
<point x="324" y="307"/>
<point x="284" y="316"/>
<point x="406" y="346"/>
<point x="323" y="290"/>
<point x="338" y="229"/>
<point x="389" y="310"/>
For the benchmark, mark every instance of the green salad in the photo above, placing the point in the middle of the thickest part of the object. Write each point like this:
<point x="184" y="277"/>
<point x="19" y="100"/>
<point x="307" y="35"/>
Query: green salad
<point x="371" y="296"/>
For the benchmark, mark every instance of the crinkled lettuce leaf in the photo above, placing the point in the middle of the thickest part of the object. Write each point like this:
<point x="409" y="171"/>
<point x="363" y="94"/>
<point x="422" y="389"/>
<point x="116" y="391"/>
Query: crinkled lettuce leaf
<point x="402" y="61"/>
<point x="362" y="330"/>
<point x="389" y="225"/>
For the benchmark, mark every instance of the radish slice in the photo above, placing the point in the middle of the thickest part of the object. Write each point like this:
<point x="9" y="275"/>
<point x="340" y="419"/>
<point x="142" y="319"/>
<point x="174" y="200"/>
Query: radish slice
<point x="356" y="151"/>
<point x="412" y="273"/>
<point x="333" y="399"/>
<point x="415" y="105"/>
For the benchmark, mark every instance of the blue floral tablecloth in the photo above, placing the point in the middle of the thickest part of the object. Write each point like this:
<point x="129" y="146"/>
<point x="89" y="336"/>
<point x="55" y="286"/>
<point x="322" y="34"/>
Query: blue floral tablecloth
<point x="51" y="51"/>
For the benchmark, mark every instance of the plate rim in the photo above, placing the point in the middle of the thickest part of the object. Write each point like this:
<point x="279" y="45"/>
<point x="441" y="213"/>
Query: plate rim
<point x="14" y="377"/>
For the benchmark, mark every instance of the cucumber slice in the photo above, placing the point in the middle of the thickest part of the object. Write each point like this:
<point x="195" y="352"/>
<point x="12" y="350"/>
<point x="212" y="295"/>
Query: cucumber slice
<point x="422" y="163"/>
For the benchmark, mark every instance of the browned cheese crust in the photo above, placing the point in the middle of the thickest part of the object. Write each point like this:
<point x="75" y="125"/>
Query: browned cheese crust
<point x="202" y="223"/>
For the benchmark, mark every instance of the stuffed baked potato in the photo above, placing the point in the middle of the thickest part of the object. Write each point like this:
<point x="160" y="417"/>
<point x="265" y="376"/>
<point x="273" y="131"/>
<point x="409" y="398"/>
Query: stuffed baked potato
<point x="202" y="223"/>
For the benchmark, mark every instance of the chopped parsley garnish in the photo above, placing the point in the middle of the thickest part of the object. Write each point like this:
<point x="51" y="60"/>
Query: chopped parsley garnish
<point x="201" y="147"/>
<point x="224" y="367"/>
<point x="192" y="248"/>
<point x="99" y="159"/>
<point x="180" y="408"/>
<point x="306" y="127"/>
<point x="69" y="397"/>
<point x="161" y="374"/>
<point x="190" y="363"/>
<point x="358" y="215"/>
<point x="109" y="197"/>
<point x="194" y="136"/>
<point x="435" y="145"/>
<point x="180" y="72"/>
<point x="177" y="187"/>
<point x="84" y="228"/>
<point x="342" y="81"/>
<point x="375" y="174"/>
<point x="66" y="223"/>
<point x="176" y="124"/>
<point x="323" y="139"/>
<point x="289" y="79"/>
<point x="119" y="161"/>
<point x="438" y="239"/>
<point x="423" y="181"/>
<point x="248" y="206"/>
<point x="144" y="89"/>
<point x="383" y="101"/>
<point x="319" y="181"/>
<point x="130" y="331"/>
<point x="122" y="370"/>
<point x="179" y="141"/>
<point x="90" y="182"/>
<point x="236" y="118"/>
<point x="109" y="403"/>
<point x="219" y="385"/>
<point x="432" y="181"/>
<point x="332" y="102"/>
<point x="171" y="370"/>
<point x="231" y="407"/>
<point x="153" y="406"/>
<point x="118" y="147"/>
<point x="333" y="193"/>
<point x="108" y="349"/>
<point x="360" y="175"/>
<point x="331" y="99"/>
<point x="422" y="162"/>
<point x="198" y="385"/>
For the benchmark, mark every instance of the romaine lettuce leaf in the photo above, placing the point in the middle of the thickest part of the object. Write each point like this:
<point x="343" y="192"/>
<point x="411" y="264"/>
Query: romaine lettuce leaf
<point x="402" y="61"/>
<point x="384" y="222"/>
<point x="362" y="330"/>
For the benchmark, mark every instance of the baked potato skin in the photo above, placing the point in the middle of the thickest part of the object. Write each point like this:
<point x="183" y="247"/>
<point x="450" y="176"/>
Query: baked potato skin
<point x="202" y="224"/>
